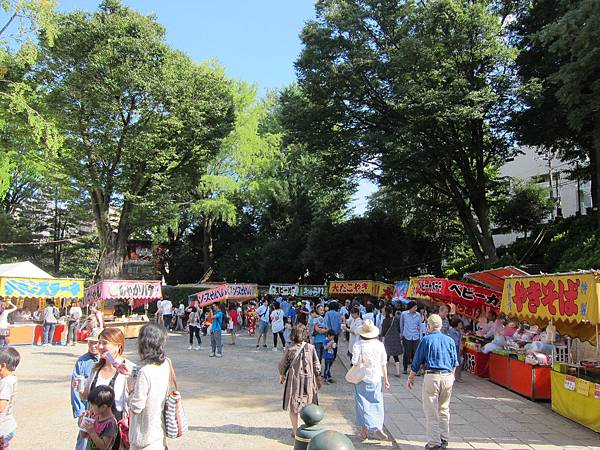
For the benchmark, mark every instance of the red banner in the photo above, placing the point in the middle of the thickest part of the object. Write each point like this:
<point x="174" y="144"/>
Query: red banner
<point x="470" y="300"/>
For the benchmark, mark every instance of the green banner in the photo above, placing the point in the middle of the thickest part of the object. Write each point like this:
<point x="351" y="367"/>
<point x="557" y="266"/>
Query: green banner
<point x="313" y="291"/>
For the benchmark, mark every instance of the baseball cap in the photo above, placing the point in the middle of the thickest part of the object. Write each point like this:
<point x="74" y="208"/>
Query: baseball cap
<point x="94" y="335"/>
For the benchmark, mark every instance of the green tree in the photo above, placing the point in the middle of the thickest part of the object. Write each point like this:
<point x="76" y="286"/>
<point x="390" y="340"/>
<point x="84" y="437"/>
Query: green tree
<point x="20" y="22"/>
<point x="574" y="41"/>
<point x="544" y="121"/>
<point x="527" y="207"/>
<point x="421" y="91"/>
<point x="137" y="116"/>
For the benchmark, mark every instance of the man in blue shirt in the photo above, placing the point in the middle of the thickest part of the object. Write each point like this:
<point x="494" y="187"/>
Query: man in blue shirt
<point x="438" y="352"/>
<point x="83" y="368"/>
<point x="409" y="327"/>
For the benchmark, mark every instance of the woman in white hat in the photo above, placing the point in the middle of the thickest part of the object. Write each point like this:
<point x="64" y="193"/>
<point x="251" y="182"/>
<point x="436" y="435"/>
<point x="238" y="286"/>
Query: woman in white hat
<point x="368" y="394"/>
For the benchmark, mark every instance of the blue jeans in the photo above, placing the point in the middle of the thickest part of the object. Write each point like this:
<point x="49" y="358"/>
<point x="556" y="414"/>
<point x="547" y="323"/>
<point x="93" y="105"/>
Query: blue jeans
<point x="215" y="342"/>
<point x="319" y="348"/>
<point x="81" y="442"/>
<point x="327" y="371"/>
<point x="49" y="332"/>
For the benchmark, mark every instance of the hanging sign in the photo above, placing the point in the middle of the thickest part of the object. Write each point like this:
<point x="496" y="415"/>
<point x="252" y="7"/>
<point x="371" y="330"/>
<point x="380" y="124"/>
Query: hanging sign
<point x="283" y="290"/>
<point x="240" y="292"/>
<point x="211" y="296"/>
<point x="41" y="288"/>
<point x="570" y="382"/>
<point x="313" y="291"/>
<point x="570" y="297"/>
<point x="469" y="299"/>
<point x="583" y="387"/>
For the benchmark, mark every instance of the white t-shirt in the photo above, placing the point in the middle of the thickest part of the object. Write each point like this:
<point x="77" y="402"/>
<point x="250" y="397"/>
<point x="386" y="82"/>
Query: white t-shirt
<point x="166" y="307"/>
<point x="8" y="390"/>
<point x="373" y="354"/>
<point x="75" y="313"/>
<point x="4" y="319"/>
<point x="277" y="321"/>
<point x="48" y="315"/>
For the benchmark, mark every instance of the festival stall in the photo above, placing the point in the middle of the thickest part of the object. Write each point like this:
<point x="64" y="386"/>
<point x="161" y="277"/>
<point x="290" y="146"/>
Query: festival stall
<point x="469" y="300"/>
<point x="569" y="304"/>
<point x="117" y="298"/>
<point x="29" y="294"/>
<point x="359" y="288"/>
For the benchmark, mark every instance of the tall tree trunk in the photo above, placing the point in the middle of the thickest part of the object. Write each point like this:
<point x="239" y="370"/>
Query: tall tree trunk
<point x="207" y="247"/>
<point x="113" y="245"/>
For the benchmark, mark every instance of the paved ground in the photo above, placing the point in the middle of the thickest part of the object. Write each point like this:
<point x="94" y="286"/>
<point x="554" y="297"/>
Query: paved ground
<point x="235" y="402"/>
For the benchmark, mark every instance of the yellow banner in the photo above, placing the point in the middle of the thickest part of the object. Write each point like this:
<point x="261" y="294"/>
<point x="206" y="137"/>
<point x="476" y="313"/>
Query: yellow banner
<point x="351" y="287"/>
<point x="54" y="288"/>
<point x="568" y="298"/>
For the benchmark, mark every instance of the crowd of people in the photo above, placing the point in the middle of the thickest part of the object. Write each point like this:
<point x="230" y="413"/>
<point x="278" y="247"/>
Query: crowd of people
<point x="117" y="402"/>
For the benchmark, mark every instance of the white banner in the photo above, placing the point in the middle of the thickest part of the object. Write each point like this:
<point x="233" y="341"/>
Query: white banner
<point x="283" y="290"/>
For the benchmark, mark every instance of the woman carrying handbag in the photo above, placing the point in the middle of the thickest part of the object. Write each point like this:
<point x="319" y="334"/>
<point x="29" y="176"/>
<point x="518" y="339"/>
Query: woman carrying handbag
<point x="300" y="371"/>
<point x="369" y="375"/>
<point x="391" y="337"/>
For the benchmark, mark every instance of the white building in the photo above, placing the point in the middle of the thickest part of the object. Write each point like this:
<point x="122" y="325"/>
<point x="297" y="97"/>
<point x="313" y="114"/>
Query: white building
<point x="539" y="166"/>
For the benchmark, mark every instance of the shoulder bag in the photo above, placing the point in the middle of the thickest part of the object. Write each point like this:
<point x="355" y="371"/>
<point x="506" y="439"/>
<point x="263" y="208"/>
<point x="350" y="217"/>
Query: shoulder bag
<point x="357" y="372"/>
<point x="176" y="424"/>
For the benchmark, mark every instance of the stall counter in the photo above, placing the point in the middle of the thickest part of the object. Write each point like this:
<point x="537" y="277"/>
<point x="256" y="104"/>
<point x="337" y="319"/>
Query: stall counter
<point x="576" y="399"/>
<point x="530" y="381"/>
<point x="33" y="333"/>
<point x="130" y="329"/>
<point x="477" y="362"/>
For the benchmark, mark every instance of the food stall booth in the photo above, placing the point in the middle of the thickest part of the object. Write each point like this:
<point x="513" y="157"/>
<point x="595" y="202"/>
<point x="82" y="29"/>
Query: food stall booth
<point x="312" y="291"/>
<point x="29" y="296"/>
<point x="469" y="300"/>
<point x="570" y="304"/>
<point x="117" y="298"/>
<point x="360" y="288"/>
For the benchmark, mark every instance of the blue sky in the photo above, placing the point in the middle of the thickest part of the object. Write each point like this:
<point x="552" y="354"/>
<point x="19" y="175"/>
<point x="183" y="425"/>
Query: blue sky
<point x="255" y="40"/>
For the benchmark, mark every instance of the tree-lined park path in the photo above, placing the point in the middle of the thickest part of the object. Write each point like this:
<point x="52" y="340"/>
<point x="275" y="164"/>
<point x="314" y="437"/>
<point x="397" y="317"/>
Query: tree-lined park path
<point x="232" y="402"/>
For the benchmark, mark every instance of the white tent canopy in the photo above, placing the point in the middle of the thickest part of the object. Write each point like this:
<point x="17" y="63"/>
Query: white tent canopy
<point x="23" y="269"/>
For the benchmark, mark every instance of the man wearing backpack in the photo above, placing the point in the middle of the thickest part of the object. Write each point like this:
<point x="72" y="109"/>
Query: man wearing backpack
<point x="216" y="330"/>
<point x="49" y="319"/>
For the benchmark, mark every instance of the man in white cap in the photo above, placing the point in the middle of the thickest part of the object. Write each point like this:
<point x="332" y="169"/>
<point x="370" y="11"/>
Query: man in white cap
<point x="438" y="352"/>
<point x="81" y="371"/>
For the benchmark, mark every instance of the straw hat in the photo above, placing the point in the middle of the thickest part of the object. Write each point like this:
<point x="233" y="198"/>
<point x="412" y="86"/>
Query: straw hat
<point x="368" y="330"/>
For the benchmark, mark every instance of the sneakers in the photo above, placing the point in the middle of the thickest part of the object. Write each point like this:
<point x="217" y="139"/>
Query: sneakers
<point x="257" y="346"/>
<point x="331" y="380"/>
<point x="433" y="447"/>
<point x="444" y="444"/>
<point x="211" y="354"/>
<point x="197" y="348"/>
<point x="190" y="348"/>
<point x="219" y="355"/>
<point x="274" y="349"/>
<point x="380" y="435"/>
<point x="265" y="346"/>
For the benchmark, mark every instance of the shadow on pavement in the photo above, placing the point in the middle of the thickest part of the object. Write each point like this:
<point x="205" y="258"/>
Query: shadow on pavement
<point x="282" y="435"/>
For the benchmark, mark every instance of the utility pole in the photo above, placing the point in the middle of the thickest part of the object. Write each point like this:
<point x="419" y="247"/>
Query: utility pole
<point x="578" y="188"/>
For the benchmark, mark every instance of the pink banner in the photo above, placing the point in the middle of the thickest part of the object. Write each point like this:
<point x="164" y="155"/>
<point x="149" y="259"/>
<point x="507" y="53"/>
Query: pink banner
<point x="211" y="296"/>
<point x="137" y="292"/>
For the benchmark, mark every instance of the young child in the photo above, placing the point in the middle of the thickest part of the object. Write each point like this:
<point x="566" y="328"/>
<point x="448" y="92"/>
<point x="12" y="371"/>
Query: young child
<point x="456" y="332"/>
<point x="102" y="430"/>
<point x="329" y="355"/>
<point x="287" y="331"/>
<point x="9" y="360"/>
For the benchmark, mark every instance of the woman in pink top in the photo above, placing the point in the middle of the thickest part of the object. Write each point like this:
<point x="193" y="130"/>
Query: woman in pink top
<point x="233" y="322"/>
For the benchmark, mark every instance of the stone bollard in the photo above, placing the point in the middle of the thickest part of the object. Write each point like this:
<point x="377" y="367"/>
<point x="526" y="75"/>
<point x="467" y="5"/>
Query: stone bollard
<point x="330" y="440"/>
<point x="311" y="415"/>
